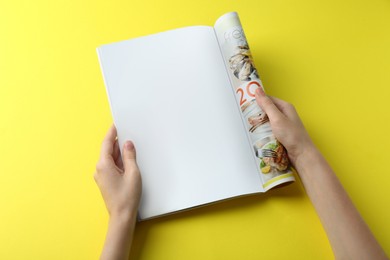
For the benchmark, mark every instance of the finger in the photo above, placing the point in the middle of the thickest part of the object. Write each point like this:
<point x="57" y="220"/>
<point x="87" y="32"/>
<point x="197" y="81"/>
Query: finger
<point x="285" y="107"/>
<point x="119" y="163"/>
<point x="129" y="156"/>
<point x="116" y="151"/>
<point x="117" y="155"/>
<point x="108" y="143"/>
<point x="268" y="106"/>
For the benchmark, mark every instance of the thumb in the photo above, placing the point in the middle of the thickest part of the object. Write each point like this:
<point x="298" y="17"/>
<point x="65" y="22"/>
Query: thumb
<point x="129" y="156"/>
<point x="268" y="106"/>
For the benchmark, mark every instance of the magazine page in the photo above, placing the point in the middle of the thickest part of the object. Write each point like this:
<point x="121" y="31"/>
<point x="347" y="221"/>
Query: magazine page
<point x="272" y="160"/>
<point x="169" y="94"/>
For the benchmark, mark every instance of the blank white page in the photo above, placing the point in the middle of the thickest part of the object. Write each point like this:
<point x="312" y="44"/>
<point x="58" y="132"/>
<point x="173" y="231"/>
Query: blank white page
<point x="171" y="95"/>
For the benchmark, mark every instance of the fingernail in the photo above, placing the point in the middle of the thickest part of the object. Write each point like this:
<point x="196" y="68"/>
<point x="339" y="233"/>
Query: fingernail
<point x="260" y="91"/>
<point x="129" y="145"/>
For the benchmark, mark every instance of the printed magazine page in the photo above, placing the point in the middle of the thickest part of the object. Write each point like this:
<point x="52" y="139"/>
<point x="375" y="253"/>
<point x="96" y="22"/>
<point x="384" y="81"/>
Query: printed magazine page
<point x="272" y="160"/>
<point x="192" y="148"/>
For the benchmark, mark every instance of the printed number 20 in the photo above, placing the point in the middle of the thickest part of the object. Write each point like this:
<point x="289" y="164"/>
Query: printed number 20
<point x="248" y="90"/>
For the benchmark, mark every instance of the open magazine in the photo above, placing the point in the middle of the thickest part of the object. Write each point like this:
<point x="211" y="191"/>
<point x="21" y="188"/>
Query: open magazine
<point x="186" y="97"/>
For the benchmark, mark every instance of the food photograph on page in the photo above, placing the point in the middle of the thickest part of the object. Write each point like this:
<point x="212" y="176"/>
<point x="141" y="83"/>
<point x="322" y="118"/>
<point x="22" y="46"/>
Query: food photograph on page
<point x="242" y="65"/>
<point x="273" y="157"/>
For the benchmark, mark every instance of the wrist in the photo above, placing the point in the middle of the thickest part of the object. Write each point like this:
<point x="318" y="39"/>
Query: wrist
<point x="307" y="157"/>
<point x="123" y="217"/>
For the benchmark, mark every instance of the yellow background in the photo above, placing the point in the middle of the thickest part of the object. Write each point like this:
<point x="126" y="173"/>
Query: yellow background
<point x="331" y="59"/>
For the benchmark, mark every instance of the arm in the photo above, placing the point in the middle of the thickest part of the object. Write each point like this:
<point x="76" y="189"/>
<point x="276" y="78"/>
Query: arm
<point x="119" y="181"/>
<point x="347" y="232"/>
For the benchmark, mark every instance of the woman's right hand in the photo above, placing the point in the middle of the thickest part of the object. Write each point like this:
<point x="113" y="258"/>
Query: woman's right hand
<point x="286" y="126"/>
<point x="347" y="232"/>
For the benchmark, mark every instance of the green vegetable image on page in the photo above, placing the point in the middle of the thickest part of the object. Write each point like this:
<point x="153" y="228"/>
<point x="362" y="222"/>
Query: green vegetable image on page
<point x="271" y="146"/>
<point x="262" y="164"/>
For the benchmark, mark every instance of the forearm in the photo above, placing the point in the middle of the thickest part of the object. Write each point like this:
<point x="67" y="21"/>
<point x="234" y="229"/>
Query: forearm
<point x="348" y="234"/>
<point x="119" y="237"/>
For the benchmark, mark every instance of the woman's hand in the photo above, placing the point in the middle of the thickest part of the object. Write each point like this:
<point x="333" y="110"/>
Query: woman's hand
<point x="286" y="125"/>
<point x="118" y="178"/>
<point x="119" y="181"/>
<point x="347" y="232"/>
